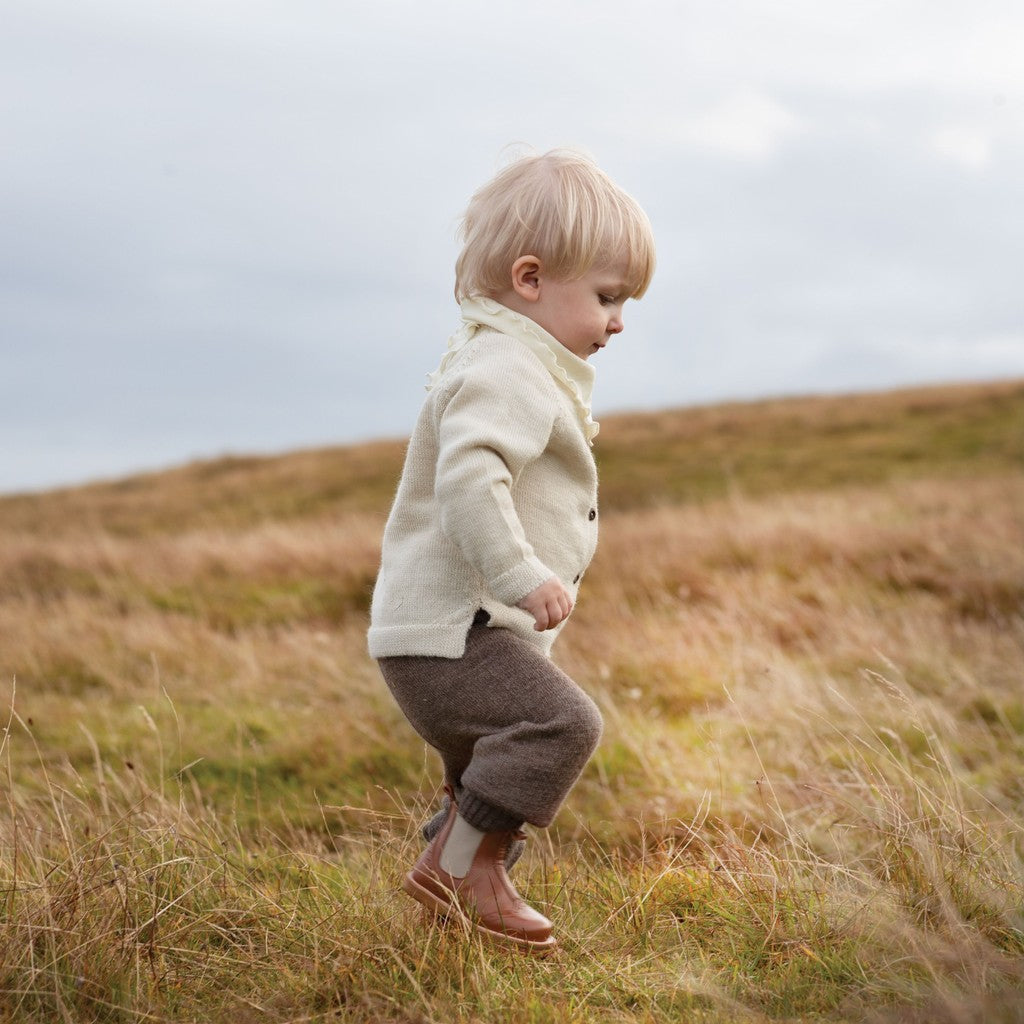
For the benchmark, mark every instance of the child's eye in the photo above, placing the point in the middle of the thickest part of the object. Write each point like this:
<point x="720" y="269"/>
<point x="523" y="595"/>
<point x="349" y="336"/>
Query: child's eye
<point x="606" y="300"/>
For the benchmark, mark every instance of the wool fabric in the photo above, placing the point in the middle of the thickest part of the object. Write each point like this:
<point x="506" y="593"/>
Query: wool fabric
<point x="573" y="374"/>
<point x="513" y="730"/>
<point x="498" y="494"/>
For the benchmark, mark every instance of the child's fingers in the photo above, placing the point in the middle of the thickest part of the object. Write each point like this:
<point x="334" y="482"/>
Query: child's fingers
<point x="546" y="616"/>
<point x="555" y="611"/>
<point x="549" y="604"/>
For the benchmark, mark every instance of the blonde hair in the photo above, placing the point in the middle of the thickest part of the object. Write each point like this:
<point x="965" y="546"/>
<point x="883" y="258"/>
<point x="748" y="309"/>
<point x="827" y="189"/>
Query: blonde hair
<point x="563" y="209"/>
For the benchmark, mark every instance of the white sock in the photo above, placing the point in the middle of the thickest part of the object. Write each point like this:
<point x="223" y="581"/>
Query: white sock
<point x="460" y="848"/>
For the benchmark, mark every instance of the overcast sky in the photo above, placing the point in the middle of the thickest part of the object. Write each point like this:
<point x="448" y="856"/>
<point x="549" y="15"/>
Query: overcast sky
<point x="229" y="226"/>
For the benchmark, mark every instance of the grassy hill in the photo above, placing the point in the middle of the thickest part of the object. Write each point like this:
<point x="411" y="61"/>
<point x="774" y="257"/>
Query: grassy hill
<point x="804" y="628"/>
<point x="646" y="459"/>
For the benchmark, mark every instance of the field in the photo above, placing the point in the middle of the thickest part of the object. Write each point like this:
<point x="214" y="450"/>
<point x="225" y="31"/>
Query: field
<point x="804" y="627"/>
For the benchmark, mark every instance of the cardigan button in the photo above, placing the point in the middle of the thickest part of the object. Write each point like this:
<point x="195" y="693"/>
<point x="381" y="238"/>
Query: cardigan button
<point x="592" y="514"/>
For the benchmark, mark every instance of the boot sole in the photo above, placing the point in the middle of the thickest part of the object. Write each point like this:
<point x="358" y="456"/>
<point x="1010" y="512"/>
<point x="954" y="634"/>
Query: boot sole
<point x="442" y="908"/>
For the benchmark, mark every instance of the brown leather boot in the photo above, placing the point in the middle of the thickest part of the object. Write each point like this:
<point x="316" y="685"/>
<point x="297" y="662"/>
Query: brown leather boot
<point x="434" y="825"/>
<point x="484" y="895"/>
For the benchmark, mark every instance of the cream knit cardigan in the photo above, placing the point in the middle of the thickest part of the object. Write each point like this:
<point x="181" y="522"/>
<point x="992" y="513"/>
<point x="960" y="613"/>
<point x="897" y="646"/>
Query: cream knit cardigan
<point x="498" y="493"/>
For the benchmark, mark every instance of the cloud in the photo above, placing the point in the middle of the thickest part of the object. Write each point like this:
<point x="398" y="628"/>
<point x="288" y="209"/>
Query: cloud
<point x="963" y="145"/>
<point x="748" y="126"/>
<point x="232" y="226"/>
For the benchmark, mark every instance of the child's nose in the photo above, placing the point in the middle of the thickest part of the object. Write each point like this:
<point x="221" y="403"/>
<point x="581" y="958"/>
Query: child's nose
<point x="615" y="325"/>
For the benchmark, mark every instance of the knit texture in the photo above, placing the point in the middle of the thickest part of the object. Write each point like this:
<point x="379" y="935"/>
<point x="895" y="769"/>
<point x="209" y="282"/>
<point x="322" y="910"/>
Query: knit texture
<point x="498" y="494"/>
<point x="573" y="374"/>
<point x="513" y="730"/>
<point x="485" y="816"/>
<point x="435" y="823"/>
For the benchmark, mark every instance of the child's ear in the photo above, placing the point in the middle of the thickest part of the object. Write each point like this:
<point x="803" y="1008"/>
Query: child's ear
<point x="526" y="278"/>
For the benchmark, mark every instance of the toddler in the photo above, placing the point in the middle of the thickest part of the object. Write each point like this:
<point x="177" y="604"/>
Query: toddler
<point x="495" y="522"/>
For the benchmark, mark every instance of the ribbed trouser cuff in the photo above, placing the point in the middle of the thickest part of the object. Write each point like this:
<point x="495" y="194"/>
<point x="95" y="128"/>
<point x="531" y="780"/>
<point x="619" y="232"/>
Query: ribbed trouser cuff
<point x="485" y="816"/>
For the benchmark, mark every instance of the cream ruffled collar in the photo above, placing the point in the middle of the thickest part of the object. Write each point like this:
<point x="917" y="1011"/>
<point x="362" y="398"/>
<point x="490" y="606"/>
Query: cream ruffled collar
<point x="574" y="375"/>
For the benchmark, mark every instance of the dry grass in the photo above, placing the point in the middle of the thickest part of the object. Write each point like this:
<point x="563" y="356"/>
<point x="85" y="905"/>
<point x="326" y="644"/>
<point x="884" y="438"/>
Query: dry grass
<point x="685" y="455"/>
<point x="807" y="804"/>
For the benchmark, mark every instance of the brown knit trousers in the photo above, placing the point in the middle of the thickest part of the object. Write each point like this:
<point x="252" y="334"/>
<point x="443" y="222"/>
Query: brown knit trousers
<point x="513" y="731"/>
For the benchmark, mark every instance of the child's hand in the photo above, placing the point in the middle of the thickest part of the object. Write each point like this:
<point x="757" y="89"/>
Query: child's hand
<point x="549" y="604"/>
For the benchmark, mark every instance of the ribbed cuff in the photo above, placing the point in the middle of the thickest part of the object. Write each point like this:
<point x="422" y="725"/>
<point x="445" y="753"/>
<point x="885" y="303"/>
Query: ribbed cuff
<point x="485" y="816"/>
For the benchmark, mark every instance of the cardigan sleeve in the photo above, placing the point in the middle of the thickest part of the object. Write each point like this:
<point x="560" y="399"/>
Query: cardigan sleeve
<point x="493" y="422"/>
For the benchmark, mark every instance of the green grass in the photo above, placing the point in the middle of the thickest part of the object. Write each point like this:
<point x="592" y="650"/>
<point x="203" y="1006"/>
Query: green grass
<point x="809" y="444"/>
<point x="687" y="455"/>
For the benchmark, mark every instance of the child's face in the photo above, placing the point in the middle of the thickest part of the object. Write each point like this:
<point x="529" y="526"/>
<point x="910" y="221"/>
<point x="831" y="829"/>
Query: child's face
<point x="582" y="314"/>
